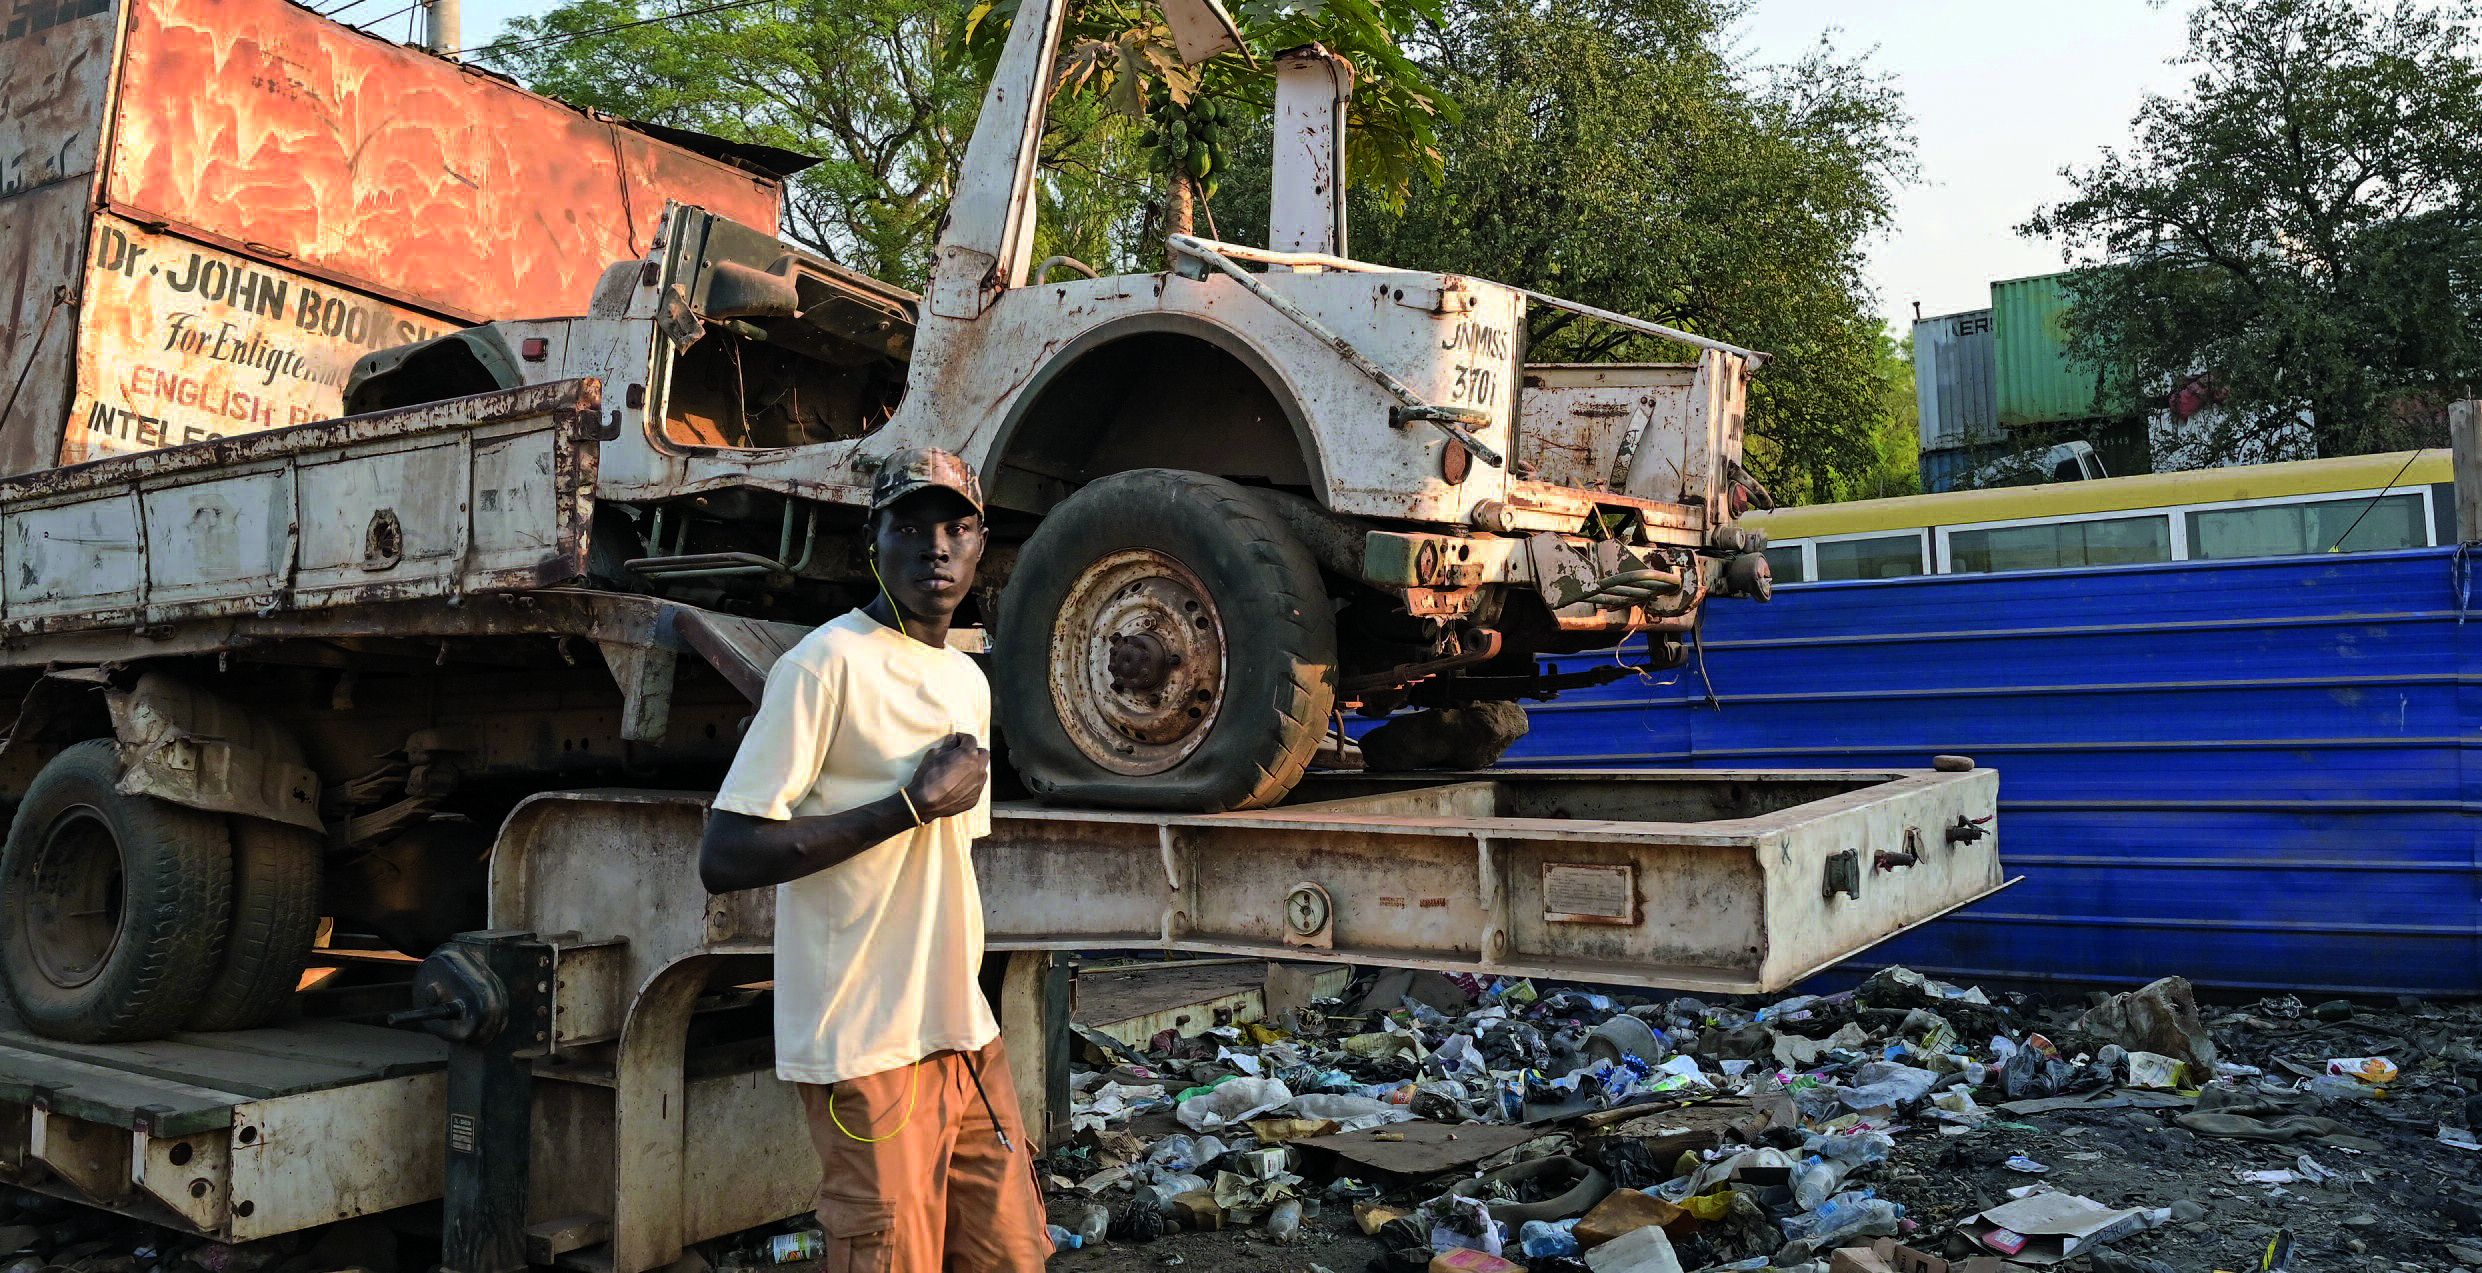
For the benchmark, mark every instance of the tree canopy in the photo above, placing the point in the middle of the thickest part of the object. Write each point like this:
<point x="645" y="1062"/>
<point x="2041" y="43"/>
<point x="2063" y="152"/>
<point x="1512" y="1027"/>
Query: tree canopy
<point x="2295" y="242"/>
<point x="1613" y="151"/>
<point x="864" y="84"/>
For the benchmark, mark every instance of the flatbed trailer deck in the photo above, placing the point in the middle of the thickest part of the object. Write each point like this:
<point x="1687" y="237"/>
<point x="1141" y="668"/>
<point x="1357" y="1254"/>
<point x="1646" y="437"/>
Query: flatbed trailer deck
<point x="605" y="1096"/>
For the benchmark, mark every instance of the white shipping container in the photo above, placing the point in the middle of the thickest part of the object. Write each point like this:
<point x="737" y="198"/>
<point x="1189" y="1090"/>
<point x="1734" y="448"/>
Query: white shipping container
<point x="1952" y="380"/>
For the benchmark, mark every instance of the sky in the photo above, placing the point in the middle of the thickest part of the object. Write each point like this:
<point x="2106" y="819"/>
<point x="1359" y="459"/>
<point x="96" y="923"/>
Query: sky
<point x="2002" y="94"/>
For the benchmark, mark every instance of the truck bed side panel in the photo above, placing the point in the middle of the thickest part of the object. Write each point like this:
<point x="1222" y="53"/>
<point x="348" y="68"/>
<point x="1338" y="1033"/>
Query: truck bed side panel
<point x="479" y="494"/>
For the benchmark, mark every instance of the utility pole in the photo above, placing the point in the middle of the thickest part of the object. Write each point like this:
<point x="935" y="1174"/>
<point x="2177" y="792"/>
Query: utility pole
<point x="440" y="27"/>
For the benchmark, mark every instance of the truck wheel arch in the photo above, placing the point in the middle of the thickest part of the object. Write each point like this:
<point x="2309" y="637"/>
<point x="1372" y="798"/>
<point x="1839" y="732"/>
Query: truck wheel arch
<point x="1173" y="391"/>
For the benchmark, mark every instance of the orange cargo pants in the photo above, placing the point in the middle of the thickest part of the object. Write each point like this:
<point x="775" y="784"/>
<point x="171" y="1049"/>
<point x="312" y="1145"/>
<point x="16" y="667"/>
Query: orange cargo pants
<point x="913" y="1176"/>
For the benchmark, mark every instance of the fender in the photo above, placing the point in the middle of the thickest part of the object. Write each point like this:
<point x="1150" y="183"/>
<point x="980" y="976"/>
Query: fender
<point x="185" y="745"/>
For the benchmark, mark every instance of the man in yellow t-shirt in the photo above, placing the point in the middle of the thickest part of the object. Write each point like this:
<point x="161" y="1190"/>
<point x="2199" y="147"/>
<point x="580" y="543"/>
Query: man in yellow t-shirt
<point x="858" y="794"/>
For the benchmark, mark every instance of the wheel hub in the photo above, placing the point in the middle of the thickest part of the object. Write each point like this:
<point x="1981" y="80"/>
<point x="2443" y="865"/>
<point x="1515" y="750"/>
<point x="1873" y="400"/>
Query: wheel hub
<point x="1140" y="661"/>
<point x="1137" y="662"/>
<point x="72" y="911"/>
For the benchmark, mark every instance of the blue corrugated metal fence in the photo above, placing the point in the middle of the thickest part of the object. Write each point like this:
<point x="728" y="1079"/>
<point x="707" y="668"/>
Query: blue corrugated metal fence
<point x="2261" y="773"/>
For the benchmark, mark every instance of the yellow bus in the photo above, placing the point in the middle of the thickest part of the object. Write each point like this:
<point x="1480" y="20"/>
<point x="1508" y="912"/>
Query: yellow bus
<point x="2353" y="503"/>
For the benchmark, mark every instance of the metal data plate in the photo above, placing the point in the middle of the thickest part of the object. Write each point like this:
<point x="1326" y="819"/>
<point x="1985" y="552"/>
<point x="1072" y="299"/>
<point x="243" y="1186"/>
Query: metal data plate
<point x="1709" y="881"/>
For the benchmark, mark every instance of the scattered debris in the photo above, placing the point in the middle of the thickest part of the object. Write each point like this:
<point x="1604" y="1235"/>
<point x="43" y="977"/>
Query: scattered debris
<point x="1428" y="1121"/>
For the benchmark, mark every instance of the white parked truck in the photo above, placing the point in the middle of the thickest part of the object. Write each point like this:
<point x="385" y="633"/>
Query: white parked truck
<point x="1236" y="500"/>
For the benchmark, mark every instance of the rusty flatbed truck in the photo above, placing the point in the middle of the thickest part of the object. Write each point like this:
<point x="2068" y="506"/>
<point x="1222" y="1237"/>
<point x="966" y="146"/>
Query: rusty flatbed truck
<point x="439" y="679"/>
<point x="608" y="1096"/>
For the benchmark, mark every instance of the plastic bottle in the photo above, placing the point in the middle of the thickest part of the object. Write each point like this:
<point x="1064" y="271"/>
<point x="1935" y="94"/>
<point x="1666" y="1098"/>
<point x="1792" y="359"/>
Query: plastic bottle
<point x="1852" y="1150"/>
<point x="792" y="1248"/>
<point x="1815" y="1182"/>
<point x="1062" y="1239"/>
<point x="1845" y="1215"/>
<point x="1542" y="1239"/>
<point x="1088" y="1221"/>
<point x="1284" y="1223"/>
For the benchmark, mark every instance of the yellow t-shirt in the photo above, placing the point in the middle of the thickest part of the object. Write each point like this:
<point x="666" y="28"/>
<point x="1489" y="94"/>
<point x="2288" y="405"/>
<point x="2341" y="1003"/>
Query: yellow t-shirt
<point x="876" y="956"/>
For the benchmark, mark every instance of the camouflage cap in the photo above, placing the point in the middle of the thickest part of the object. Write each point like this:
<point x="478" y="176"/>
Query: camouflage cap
<point x="921" y="468"/>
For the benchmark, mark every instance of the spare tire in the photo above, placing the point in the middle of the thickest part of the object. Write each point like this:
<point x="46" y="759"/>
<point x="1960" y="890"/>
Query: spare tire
<point x="275" y="919"/>
<point x="114" y="905"/>
<point x="1163" y="644"/>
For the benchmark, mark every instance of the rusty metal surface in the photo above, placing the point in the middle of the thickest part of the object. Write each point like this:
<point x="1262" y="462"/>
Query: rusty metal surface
<point x="575" y="612"/>
<point x="1579" y="422"/>
<point x="55" y="65"/>
<point x="42" y="243"/>
<point x="471" y="495"/>
<point x="1495" y="873"/>
<point x="1725" y="874"/>
<point x="401" y="172"/>
<point x="197" y="749"/>
<point x="179" y="342"/>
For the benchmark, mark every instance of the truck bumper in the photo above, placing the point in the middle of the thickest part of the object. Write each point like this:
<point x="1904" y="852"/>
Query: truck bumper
<point x="1589" y="585"/>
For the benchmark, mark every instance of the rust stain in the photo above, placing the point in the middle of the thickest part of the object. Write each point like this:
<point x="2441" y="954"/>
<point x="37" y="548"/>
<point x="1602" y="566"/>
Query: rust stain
<point x="256" y="121"/>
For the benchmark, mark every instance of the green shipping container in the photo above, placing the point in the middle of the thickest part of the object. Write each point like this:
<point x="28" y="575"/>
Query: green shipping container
<point x="2033" y="378"/>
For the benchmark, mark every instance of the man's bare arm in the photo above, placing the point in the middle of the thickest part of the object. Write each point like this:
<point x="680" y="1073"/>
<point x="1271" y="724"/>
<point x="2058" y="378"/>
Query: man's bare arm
<point x="741" y="852"/>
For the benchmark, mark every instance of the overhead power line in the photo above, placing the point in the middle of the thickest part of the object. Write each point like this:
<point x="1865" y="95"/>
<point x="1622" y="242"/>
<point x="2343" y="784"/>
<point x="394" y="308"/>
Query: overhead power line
<point x="394" y="13"/>
<point x="564" y="37"/>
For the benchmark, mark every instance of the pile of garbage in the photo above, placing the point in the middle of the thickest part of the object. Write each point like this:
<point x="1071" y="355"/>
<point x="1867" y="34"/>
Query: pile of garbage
<point x="1441" y="1123"/>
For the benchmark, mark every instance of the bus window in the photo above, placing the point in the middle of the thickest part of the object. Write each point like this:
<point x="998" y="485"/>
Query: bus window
<point x="2309" y="526"/>
<point x="1873" y="557"/>
<point x="1784" y="562"/>
<point x="2103" y="541"/>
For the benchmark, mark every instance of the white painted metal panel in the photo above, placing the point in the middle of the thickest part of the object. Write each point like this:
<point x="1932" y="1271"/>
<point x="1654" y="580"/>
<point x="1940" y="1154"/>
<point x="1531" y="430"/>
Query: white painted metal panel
<point x="348" y="1151"/>
<point x="182" y="342"/>
<point x="514" y="485"/>
<point x="221" y="536"/>
<point x="350" y="501"/>
<point x="1723" y="877"/>
<point x="365" y="509"/>
<point x="1579" y="423"/>
<point x="73" y="556"/>
<point x="1953" y="383"/>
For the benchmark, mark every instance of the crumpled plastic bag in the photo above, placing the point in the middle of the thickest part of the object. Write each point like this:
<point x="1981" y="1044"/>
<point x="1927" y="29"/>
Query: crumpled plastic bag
<point x="1890" y="1084"/>
<point x="2162" y="1017"/>
<point x="1350" y="1113"/>
<point x="1111" y="1103"/>
<point x="1231" y="1103"/>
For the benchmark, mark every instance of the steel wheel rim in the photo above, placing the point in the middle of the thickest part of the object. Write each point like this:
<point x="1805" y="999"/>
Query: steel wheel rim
<point x="1138" y="662"/>
<point x="71" y="902"/>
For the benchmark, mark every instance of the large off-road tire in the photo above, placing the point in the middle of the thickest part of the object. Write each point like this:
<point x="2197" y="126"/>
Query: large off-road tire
<point x="1163" y="644"/>
<point x="114" y="906"/>
<point x="275" y="919"/>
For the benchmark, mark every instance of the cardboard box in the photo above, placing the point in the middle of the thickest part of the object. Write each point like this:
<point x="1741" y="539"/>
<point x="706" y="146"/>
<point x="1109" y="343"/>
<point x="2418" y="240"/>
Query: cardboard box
<point x="2052" y="1227"/>
<point x="1887" y="1255"/>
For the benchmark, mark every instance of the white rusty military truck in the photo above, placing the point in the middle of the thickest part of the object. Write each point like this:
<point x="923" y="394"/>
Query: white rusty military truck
<point x="1236" y="501"/>
<point x="300" y="673"/>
